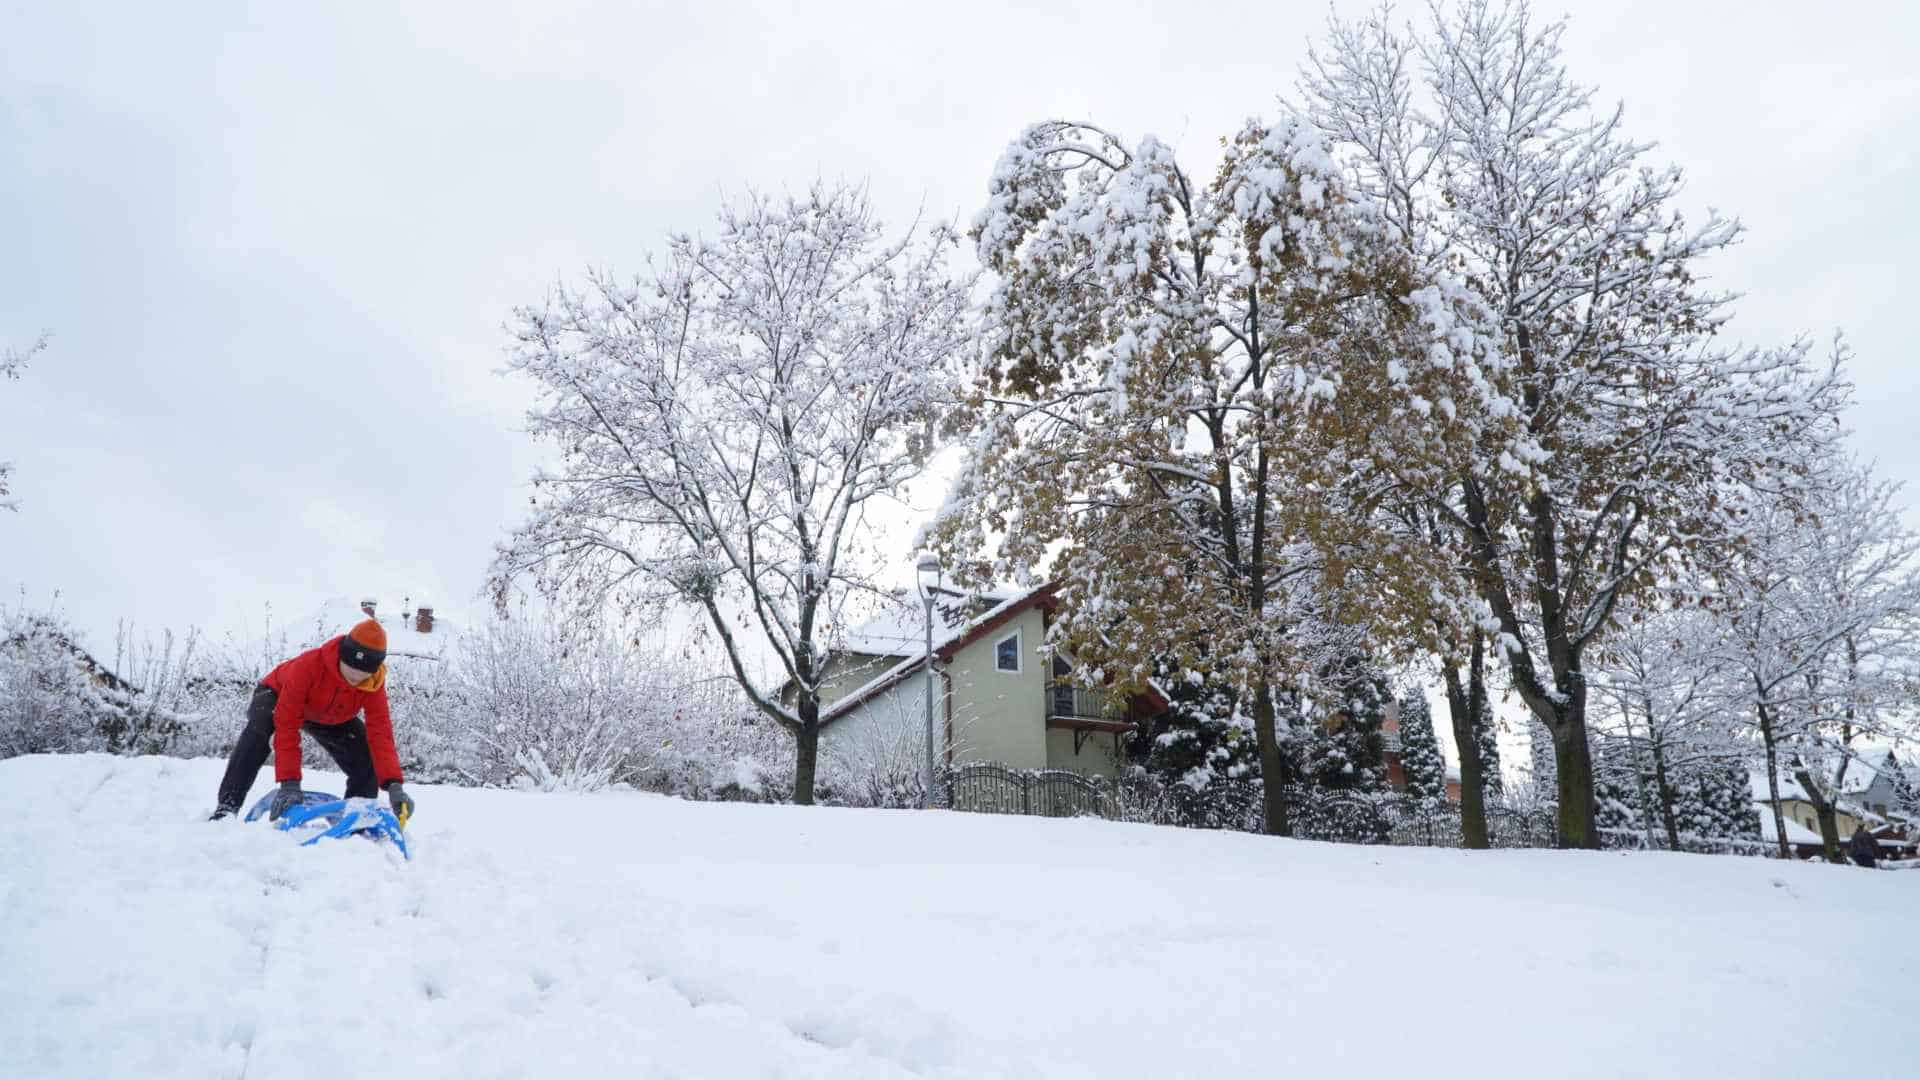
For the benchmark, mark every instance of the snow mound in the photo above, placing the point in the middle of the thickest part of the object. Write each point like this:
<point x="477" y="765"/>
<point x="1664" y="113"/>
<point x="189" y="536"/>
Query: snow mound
<point x="627" y="934"/>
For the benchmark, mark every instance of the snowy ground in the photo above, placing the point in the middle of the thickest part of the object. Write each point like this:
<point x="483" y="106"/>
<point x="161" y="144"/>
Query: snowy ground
<point x="631" y="935"/>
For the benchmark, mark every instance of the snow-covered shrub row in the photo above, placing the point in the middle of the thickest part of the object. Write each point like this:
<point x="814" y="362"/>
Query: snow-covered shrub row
<point x="1375" y="816"/>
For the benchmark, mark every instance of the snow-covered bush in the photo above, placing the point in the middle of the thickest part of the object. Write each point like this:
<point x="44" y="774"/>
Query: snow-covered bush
<point x="55" y="697"/>
<point x="47" y="691"/>
<point x="163" y="702"/>
<point x="709" y="742"/>
<point x="533" y="701"/>
<point x="882" y="763"/>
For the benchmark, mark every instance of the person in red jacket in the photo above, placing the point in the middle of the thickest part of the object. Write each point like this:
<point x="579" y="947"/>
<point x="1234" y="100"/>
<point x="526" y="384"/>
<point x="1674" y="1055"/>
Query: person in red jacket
<point x="323" y="692"/>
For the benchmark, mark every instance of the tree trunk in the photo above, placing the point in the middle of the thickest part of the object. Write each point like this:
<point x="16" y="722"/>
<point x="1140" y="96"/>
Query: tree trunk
<point x="1773" y="780"/>
<point x="1823" y="813"/>
<point x="1462" y="710"/>
<point x="1829" y="830"/>
<point x="1272" y="775"/>
<point x="807" y="744"/>
<point x="1573" y="760"/>
<point x="1664" y="792"/>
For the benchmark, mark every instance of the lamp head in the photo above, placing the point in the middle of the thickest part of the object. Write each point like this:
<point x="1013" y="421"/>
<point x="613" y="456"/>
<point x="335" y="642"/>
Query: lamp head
<point x="927" y="567"/>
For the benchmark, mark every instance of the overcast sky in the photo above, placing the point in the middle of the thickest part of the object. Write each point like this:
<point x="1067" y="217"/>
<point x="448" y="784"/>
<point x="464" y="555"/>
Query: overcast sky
<point x="275" y="243"/>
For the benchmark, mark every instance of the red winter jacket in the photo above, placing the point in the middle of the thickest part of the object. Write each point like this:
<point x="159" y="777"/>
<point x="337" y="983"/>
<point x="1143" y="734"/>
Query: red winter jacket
<point x="312" y="692"/>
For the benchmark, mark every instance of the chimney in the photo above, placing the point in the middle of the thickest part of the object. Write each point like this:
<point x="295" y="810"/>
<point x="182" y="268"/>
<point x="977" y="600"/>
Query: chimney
<point x="423" y="620"/>
<point x="367" y="606"/>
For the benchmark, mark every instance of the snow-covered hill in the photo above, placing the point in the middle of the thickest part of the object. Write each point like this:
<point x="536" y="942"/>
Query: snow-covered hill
<point x="630" y="935"/>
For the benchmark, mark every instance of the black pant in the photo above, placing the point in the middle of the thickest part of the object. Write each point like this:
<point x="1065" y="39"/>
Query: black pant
<point x="347" y="743"/>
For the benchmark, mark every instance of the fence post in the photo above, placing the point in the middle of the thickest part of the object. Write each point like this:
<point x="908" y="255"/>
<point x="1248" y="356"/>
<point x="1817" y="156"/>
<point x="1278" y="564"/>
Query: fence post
<point x="1026" y="790"/>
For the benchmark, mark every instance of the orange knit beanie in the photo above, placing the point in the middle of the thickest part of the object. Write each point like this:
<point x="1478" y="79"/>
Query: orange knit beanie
<point x="365" y="647"/>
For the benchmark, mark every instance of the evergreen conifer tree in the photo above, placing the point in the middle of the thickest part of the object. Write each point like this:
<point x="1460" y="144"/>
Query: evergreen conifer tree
<point x="1346" y="752"/>
<point x="1420" y="757"/>
<point x="1203" y="738"/>
<point x="1545" y="772"/>
<point x="1906" y="798"/>
<point x="1727" y="792"/>
<point x="1489" y="738"/>
<point x="1616" y="802"/>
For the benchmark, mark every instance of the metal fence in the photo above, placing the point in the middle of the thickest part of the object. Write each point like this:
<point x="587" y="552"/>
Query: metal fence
<point x="1352" y="817"/>
<point x="994" y="789"/>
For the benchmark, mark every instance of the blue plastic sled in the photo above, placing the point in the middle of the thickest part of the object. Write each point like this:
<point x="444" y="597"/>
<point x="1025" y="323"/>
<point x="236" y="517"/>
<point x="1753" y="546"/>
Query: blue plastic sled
<point x="342" y="817"/>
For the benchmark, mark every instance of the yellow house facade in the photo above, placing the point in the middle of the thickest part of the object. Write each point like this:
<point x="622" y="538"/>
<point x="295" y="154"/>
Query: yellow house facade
<point x="999" y="697"/>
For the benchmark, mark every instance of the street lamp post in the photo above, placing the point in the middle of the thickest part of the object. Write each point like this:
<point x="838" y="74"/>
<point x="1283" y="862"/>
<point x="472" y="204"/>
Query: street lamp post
<point x="928" y="569"/>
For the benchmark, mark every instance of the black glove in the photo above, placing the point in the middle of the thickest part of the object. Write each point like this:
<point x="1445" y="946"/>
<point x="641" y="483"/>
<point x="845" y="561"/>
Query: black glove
<point x="284" y="799"/>
<point x="401" y="802"/>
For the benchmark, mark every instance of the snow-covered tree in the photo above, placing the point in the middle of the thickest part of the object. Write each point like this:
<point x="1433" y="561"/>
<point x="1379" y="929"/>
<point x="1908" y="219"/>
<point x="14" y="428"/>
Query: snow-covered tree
<point x="1487" y="733"/>
<point x="1497" y="163"/>
<point x="1344" y="749"/>
<point x="1661" y="683"/>
<point x="1203" y="738"/>
<point x="1720" y="806"/>
<point x="1621" y="804"/>
<point x="1906" y="795"/>
<point x="1420" y="758"/>
<point x="1541" y="766"/>
<point x="725" y="420"/>
<point x="544" y="701"/>
<point x="12" y="362"/>
<point x="1189" y="379"/>
<point x="1821" y="599"/>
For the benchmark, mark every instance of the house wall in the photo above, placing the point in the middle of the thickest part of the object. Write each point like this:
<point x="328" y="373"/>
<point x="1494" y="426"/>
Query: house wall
<point x="885" y="734"/>
<point x="1803" y="813"/>
<point x="997" y="716"/>
<point x="1096" y="757"/>
<point x="1878" y="796"/>
<point x="1000" y="716"/>
<point x="846" y="672"/>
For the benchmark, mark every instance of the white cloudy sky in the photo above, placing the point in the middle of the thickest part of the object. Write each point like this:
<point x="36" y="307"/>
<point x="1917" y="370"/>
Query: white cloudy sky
<point x="275" y="243"/>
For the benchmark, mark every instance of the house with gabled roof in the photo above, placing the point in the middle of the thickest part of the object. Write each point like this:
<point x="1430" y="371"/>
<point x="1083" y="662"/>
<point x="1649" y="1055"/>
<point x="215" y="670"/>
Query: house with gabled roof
<point x="1000" y="695"/>
<point x="1865" y="799"/>
<point x="1874" y="790"/>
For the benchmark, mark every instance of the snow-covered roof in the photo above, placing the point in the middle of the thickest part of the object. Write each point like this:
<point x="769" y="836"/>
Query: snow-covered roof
<point x="1009" y="602"/>
<point x="1796" y="832"/>
<point x="899" y="628"/>
<point x="1861" y="775"/>
<point x="1859" y="779"/>
<point x="404" y="638"/>
<point x="1789" y="787"/>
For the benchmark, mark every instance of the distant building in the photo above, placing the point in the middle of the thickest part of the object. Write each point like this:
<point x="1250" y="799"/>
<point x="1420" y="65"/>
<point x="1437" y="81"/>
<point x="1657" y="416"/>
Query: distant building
<point x="1865" y="799"/>
<point x="999" y="696"/>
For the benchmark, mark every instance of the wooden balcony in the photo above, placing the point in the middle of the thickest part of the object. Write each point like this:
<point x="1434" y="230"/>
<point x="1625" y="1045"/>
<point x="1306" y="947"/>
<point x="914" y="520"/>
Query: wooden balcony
<point x="1088" y="712"/>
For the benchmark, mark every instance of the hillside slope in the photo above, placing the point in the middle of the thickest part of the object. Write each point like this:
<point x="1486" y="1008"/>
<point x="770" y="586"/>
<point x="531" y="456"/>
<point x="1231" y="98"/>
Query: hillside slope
<point x="633" y="935"/>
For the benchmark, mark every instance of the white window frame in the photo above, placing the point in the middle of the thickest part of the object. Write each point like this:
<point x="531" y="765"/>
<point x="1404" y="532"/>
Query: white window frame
<point x="1019" y="653"/>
